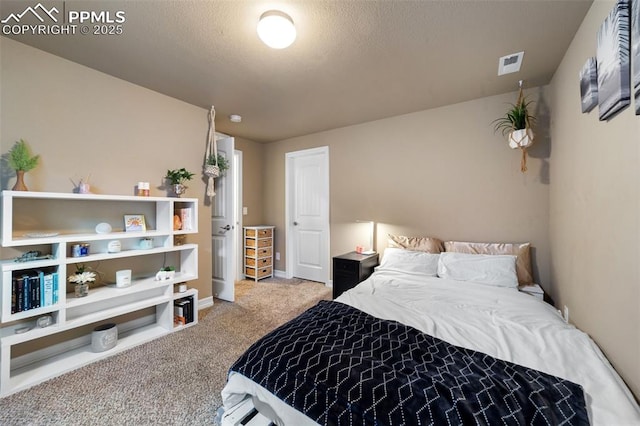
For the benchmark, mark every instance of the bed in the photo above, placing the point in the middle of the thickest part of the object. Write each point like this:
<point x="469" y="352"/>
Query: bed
<point x="459" y="343"/>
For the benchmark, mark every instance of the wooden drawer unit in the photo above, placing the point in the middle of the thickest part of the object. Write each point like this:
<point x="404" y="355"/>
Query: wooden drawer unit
<point x="258" y="252"/>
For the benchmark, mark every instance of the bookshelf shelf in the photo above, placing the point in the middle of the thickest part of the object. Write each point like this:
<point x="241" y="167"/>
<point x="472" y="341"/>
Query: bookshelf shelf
<point x="52" y="224"/>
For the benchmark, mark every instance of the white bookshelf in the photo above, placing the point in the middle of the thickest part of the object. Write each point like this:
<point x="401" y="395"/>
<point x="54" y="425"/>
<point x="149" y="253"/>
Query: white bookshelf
<point x="143" y="311"/>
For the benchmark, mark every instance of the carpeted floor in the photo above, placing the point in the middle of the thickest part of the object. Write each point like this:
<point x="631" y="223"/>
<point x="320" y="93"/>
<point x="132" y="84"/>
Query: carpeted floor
<point x="173" y="380"/>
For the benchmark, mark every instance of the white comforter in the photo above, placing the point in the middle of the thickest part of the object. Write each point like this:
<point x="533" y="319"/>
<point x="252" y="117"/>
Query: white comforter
<point x="501" y="322"/>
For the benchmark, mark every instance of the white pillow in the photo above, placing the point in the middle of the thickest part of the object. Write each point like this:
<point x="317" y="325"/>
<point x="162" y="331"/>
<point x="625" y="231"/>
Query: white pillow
<point x="410" y="261"/>
<point x="495" y="270"/>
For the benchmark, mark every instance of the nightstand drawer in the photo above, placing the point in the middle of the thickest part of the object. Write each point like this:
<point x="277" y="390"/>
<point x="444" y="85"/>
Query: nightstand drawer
<point x="346" y="266"/>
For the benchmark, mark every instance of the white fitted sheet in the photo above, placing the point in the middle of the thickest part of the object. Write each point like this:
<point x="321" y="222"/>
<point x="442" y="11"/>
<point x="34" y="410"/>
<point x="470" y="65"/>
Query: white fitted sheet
<point x="501" y="322"/>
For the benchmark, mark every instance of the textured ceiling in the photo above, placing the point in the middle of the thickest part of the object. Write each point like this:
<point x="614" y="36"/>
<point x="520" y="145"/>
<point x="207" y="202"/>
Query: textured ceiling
<point x="352" y="62"/>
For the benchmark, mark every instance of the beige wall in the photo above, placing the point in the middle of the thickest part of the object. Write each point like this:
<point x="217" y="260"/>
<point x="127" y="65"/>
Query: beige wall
<point x="252" y="172"/>
<point x="441" y="172"/>
<point x="595" y="211"/>
<point x="82" y="121"/>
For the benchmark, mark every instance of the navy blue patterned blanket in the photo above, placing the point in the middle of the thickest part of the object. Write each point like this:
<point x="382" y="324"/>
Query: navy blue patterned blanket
<point x="342" y="366"/>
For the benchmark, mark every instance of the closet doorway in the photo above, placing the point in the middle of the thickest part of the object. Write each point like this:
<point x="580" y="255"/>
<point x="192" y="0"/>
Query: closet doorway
<point x="307" y="214"/>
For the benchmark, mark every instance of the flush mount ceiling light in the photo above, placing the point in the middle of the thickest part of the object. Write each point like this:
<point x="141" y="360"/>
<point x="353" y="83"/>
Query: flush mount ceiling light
<point x="235" y="118"/>
<point x="276" y="29"/>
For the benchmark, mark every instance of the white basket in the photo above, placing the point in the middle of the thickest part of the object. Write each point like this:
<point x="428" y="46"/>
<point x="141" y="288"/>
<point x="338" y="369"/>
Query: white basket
<point x="211" y="170"/>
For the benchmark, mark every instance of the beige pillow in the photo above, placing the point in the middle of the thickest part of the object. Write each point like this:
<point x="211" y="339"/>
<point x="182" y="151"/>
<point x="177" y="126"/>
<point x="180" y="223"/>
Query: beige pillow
<point x="426" y="244"/>
<point x="522" y="251"/>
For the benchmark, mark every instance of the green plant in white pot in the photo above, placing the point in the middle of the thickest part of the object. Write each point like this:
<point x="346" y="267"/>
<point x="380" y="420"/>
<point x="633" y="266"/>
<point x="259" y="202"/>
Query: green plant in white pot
<point x="516" y="124"/>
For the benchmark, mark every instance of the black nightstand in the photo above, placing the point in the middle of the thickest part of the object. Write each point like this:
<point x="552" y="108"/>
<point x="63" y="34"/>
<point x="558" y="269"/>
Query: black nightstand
<point x="350" y="269"/>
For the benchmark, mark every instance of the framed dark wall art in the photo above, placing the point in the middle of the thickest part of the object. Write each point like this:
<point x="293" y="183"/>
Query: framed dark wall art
<point x="613" y="60"/>
<point x="635" y="50"/>
<point x="589" y="85"/>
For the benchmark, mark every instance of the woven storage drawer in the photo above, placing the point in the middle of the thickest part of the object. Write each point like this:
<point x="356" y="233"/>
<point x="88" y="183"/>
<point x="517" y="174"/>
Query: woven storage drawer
<point x="250" y="242"/>
<point x="260" y="233"/>
<point x="262" y="272"/>
<point x="260" y="262"/>
<point x="263" y="252"/>
<point x="265" y="242"/>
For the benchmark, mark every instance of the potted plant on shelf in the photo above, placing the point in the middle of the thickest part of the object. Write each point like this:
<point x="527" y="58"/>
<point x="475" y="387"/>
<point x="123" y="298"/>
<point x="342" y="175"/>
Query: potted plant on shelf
<point x="82" y="278"/>
<point x="166" y="273"/>
<point x="21" y="161"/>
<point x="178" y="178"/>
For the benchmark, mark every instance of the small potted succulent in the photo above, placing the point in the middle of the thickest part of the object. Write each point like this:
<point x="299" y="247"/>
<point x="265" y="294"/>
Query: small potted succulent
<point x="166" y="273"/>
<point x="178" y="178"/>
<point x="21" y="160"/>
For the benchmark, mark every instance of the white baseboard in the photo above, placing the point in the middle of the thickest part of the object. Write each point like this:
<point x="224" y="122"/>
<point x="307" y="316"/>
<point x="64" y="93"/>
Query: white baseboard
<point x="206" y="302"/>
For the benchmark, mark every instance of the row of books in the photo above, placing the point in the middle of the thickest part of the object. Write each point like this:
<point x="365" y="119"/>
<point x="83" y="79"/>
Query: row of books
<point x="33" y="289"/>
<point x="183" y="311"/>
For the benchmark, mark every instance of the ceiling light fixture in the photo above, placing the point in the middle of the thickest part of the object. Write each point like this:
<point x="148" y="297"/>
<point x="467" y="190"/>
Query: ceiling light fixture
<point x="276" y="29"/>
<point x="235" y="118"/>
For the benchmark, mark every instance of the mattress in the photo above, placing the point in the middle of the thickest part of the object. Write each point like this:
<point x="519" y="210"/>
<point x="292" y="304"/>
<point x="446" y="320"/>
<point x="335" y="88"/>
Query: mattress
<point x="501" y="322"/>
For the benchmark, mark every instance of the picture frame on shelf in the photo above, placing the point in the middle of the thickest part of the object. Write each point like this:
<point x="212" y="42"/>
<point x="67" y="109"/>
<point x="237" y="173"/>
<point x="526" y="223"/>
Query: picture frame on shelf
<point x="613" y="62"/>
<point x="134" y="223"/>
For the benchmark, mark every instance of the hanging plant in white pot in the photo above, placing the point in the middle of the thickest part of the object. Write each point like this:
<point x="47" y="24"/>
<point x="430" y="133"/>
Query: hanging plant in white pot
<point x="515" y="125"/>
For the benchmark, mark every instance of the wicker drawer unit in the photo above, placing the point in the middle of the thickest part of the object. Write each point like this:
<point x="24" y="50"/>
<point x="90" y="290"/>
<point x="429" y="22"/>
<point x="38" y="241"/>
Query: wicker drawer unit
<point x="258" y="252"/>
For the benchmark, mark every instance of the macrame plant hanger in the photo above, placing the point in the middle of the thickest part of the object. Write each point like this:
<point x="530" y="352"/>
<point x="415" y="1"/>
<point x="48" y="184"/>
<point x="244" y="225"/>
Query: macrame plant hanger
<point x="211" y="170"/>
<point x="526" y="138"/>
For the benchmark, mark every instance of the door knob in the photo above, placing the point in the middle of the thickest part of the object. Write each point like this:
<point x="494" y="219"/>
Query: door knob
<point x="226" y="228"/>
<point x="295" y="223"/>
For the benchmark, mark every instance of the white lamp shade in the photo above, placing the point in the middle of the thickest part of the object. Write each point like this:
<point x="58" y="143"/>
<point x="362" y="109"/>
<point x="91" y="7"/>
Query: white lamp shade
<point x="276" y="29"/>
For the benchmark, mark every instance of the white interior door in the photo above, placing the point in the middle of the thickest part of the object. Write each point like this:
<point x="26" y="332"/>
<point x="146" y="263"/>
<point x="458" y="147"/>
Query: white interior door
<point x="307" y="176"/>
<point x="222" y="227"/>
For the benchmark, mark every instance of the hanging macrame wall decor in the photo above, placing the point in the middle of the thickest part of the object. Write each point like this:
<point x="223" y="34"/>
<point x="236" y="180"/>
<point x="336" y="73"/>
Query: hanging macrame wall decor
<point x="211" y="169"/>
<point x="516" y="126"/>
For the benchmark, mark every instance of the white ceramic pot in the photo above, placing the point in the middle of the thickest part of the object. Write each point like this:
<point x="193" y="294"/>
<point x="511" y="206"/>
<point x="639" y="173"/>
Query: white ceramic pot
<point x="520" y="138"/>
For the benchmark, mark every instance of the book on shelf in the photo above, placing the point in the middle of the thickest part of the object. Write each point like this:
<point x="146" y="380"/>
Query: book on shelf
<point x="179" y="312"/>
<point x="47" y="288"/>
<point x="186" y="217"/>
<point x="189" y="310"/>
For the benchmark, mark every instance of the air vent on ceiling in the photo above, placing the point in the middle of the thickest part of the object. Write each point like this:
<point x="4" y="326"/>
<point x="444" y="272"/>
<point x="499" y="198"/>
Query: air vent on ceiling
<point x="510" y="63"/>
